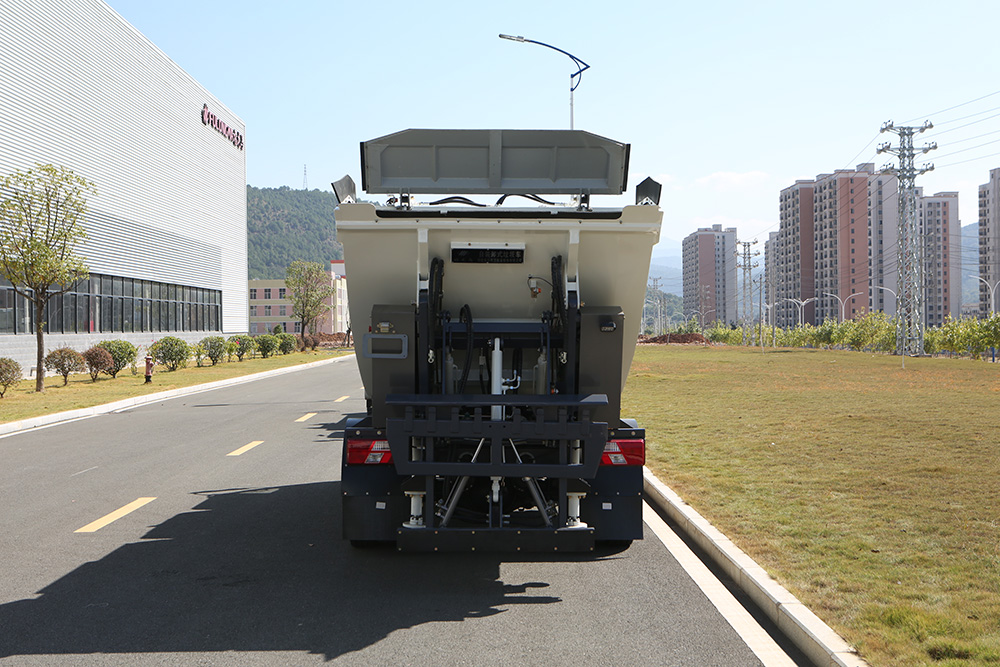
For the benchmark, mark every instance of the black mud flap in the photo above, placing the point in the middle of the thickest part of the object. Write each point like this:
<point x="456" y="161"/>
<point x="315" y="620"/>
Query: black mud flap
<point x="496" y="539"/>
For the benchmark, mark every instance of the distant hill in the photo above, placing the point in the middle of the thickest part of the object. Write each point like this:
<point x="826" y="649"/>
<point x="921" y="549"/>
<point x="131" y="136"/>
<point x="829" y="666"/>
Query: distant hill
<point x="284" y="225"/>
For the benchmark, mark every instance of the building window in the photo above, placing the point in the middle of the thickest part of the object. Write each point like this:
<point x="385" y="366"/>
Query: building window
<point x="267" y="292"/>
<point x="281" y="292"/>
<point x="253" y="292"/>
<point x="267" y="311"/>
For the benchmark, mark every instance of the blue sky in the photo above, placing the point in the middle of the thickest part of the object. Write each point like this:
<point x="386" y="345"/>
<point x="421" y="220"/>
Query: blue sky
<point x="726" y="103"/>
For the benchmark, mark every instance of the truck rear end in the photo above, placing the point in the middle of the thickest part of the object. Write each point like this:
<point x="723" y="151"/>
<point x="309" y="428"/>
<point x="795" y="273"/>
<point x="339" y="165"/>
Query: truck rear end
<point x="493" y="342"/>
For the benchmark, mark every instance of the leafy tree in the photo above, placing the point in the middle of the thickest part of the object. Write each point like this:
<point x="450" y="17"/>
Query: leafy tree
<point x="64" y="361"/>
<point x="309" y="287"/>
<point x="171" y="351"/>
<point x="98" y="361"/>
<point x="278" y="330"/>
<point x="10" y="374"/>
<point x="41" y="224"/>
<point x="122" y="355"/>
<point x="267" y="344"/>
<point x="215" y="348"/>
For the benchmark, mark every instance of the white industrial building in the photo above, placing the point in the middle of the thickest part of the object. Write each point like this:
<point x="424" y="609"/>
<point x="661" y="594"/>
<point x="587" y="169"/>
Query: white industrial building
<point x="167" y="247"/>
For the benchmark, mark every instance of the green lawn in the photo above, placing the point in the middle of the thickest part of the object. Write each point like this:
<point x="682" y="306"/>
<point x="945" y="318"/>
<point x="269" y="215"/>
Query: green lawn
<point x="21" y="401"/>
<point x="870" y="491"/>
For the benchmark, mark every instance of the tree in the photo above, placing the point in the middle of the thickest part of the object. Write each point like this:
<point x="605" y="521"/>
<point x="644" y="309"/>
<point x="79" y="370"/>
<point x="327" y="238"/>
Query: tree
<point x="41" y="224"/>
<point x="309" y="286"/>
<point x="122" y="355"/>
<point x="10" y="374"/>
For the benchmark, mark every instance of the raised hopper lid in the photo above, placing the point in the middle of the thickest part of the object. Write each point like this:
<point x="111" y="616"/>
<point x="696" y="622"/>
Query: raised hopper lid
<point x="494" y="162"/>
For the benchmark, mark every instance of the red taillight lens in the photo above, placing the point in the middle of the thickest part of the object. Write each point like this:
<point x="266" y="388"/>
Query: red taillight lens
<point x="624" y="453"/>
<point x="368" y="452"/>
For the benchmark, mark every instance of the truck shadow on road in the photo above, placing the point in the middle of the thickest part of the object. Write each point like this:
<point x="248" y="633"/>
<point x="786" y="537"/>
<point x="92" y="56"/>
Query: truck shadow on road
<point x="255" y="570"/>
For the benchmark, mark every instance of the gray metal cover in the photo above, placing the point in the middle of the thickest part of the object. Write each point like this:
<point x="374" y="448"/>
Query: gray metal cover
<point x="494" y="162"/>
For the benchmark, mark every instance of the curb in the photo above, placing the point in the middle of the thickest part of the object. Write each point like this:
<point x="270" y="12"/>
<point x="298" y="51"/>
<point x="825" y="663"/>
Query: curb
<point x="812" y="636"/>
<point x="46" y="420"/>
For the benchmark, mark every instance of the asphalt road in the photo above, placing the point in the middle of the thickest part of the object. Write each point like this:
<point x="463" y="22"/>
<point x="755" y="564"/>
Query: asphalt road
<point x="231" y="555"/>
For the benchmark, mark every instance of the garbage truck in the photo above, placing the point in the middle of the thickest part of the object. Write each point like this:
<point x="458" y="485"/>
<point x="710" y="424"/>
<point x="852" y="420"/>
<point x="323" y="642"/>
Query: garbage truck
<point x="494" y="329"/>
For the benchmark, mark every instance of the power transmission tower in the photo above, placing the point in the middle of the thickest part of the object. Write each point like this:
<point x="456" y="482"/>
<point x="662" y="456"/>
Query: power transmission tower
<point x="744" y="262"/>
<point x="909" y="300"/>
<point x="305" y="180"/>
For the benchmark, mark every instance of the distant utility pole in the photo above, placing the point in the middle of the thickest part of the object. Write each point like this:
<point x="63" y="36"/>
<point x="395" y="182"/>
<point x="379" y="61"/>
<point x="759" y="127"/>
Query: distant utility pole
<point x="305" y="180"/>
<point x="744" y="262"/>
<point x="909" y="304"/>
<point x="656" y="306"/>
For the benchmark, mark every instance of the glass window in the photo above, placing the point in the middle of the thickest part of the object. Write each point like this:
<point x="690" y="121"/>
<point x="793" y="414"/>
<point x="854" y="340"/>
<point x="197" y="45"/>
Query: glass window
<point x="83" y="324"/>
<point x="281" y="292"/>
<point x="253" y="292"/>
<point x="7" y="311"/>
<point x="267" y="292"/>
<point x="117" y="285"/>
<point x="106" y="285"/>
<point x="137" y="316"/>
<point x="127" y="313"/>
<point x="172" y="313"/>
<point x="267" y="311"/>
<point x="116" y="324"/>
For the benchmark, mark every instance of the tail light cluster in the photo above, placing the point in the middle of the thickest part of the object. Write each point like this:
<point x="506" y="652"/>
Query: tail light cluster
<point x="368" y="452"/>
<point x="624" y="453"/>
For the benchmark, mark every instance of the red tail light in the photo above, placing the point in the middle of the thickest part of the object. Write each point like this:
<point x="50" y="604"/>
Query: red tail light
<point x="624" y="453"/>
<point x="368" y="452"/>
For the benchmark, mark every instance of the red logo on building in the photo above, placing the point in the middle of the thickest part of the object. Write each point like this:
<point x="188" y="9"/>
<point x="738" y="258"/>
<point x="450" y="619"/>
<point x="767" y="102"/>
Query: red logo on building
<point x="209" y="118"/>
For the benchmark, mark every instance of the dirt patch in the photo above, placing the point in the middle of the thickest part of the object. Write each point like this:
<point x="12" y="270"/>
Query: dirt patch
<point x="679" y="339"/>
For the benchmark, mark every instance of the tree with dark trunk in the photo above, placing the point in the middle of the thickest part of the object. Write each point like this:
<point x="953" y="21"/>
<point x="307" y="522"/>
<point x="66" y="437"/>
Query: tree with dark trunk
<point x="41" y="224"/>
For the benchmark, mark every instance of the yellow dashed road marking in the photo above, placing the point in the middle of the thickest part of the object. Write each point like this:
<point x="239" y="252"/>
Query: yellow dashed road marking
<point x="245" y="448"/>
<point x="114" y="516"/>
<point x="308" y="415"/>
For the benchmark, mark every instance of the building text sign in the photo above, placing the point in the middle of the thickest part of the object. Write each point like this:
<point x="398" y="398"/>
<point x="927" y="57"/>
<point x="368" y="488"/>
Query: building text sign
<point x="209" y="118"/>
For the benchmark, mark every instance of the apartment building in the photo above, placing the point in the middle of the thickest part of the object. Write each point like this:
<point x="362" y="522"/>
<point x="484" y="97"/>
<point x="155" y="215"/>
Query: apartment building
<point x="270" y="305"/>
<point x="989" y="242"/>
<point x="709" y="269"/>
<point x="837" y="248"/>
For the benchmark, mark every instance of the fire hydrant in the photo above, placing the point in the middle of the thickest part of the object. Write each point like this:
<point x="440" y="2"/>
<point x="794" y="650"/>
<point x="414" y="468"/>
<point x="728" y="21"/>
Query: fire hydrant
<point x="149" y="369"/>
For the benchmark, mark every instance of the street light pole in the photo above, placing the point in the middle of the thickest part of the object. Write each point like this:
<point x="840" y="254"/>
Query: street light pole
<point x="801" y="304"/>
<point x="574" y="78"/>
<point x="842" y="302"/>
<point x="992" y="288"/>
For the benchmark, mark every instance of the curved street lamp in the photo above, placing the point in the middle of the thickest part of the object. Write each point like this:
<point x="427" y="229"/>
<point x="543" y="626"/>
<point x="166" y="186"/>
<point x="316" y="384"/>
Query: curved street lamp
<point x="992" y="289"/>
<point x="801" y="304"/>
<point x="894" y="295"/>
<point x="842" y="302"/>
<point x="574" y="78"/>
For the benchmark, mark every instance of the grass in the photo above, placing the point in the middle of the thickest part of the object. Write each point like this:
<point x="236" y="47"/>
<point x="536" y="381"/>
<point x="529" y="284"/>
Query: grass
<point x="22" y="402"/>
<point x="871" y="492"/>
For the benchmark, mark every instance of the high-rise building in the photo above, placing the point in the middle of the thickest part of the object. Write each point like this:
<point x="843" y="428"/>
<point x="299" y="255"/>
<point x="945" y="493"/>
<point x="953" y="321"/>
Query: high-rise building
<point x="709" y="257"/>
<point x="793" y="258"/>
<point x="837" y="248"/>
<point x="989" y="241"/>
<point x="937" y="220"/>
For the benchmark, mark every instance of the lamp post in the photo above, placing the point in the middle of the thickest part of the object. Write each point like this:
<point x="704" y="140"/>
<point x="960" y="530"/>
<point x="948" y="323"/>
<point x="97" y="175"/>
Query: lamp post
<point x="842" y="302"/>
<point x="702" y="315"/>
<point x="801" y="304"/>
<point x="887" y="290"/>
<point x="574" y="78"/>
<point x="992" y="289"/>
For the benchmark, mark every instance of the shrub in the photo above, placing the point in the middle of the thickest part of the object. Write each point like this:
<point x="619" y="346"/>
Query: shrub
<point x="243" y="345"/>
<point x="122" y="355"/>
<point x="287" y="343"/>
<point x="10" y="374"/>
<point x="170" y="351"/>
<point x="215" y="348"/>
<point x="64" y="361"/>
<point x="200" y="354"/>
<point x="98" y="361"/>
<point x="307" y="342"/>
<point x="267" y="344"/>
<point x="278" y="330"/>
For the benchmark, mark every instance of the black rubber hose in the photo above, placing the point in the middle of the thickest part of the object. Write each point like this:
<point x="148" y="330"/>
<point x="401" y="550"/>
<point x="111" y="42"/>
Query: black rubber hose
<point x="465" y="316"/>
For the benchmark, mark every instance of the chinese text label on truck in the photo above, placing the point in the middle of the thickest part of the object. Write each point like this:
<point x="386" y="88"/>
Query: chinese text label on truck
<point x="494" y="341"/>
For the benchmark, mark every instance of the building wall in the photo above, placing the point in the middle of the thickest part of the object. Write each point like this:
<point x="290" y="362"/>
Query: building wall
<point x="269" y="305"/>
<point x="709" y="257"/>
<point x="83" y="89"/>
<point x="941" y="230"/>
<point x="989" y="241"/>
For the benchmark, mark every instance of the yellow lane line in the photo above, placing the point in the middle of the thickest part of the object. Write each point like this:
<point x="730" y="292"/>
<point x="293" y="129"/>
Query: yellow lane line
<point x="341" y="399"/>
<point x="114" y="516"/>
<point x="308" y="415"/>
<point x="245" y="448"/>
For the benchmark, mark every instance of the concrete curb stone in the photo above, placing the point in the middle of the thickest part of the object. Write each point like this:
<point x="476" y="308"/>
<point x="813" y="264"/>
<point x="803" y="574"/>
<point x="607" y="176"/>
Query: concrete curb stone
<point x="46" y="420"/>
<point x="807" y="631"/>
